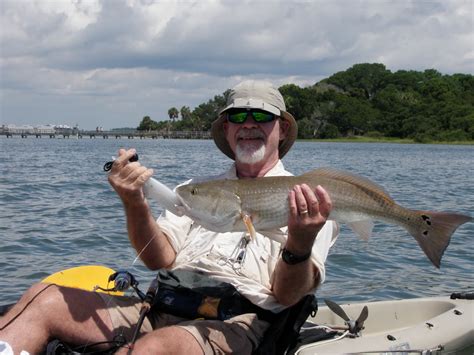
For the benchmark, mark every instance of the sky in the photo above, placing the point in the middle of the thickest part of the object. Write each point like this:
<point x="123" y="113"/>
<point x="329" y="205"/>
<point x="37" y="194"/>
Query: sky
<point x="109" y="63"/>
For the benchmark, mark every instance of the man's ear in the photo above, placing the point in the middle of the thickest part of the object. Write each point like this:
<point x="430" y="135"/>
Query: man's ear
<point x="225" y="126"/>
<point x="284" y="127"/>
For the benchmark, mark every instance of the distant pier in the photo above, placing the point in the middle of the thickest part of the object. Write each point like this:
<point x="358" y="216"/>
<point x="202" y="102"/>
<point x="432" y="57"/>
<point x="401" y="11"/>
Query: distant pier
<point x="114" y="134"/>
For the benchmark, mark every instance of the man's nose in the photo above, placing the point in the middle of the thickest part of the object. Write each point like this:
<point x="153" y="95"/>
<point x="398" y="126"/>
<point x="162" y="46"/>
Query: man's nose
<point x="250" y="122"/>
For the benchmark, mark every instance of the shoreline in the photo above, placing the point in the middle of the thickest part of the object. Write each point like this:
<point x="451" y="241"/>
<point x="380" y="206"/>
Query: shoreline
<point x="361" y="139"/>
<point x="355" y="139"/>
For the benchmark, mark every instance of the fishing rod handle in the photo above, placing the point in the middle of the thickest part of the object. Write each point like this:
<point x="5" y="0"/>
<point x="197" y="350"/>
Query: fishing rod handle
<point x="108" y="165"/>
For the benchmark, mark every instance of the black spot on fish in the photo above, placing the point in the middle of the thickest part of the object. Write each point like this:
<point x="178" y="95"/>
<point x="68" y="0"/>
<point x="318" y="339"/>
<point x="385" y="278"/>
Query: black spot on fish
<point x="425" y="233"/>
<point x="427" y="219"/>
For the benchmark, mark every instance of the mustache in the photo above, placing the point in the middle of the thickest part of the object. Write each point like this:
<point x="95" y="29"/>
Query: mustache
<point x="252" y="133"/>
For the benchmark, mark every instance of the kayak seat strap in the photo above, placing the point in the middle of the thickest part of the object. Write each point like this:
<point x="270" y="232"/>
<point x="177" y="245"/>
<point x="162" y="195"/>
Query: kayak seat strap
<point x="283" y="333"/>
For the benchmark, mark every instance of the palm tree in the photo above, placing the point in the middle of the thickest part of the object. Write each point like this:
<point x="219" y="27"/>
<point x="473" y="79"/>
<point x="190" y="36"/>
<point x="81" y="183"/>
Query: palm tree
<point x="173" y="113"/>
<point x="185" y="113"/>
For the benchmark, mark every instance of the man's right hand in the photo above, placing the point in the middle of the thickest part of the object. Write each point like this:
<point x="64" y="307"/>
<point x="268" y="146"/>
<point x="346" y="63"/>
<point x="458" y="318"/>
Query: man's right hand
<point x="127" y="178"/>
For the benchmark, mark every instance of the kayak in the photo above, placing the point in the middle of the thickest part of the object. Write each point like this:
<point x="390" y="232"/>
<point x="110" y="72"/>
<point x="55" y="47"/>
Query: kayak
<point x="430" y="325"/>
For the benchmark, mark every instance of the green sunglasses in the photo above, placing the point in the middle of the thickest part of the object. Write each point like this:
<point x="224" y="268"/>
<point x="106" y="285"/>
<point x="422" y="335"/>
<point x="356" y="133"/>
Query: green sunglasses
<point x="239" y="115"/>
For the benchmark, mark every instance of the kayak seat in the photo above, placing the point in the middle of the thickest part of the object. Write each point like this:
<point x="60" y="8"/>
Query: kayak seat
<point x="284" y="332"/>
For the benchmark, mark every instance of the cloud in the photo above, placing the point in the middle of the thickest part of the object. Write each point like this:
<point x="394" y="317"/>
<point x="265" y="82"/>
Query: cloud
<point x="125" y="58"/>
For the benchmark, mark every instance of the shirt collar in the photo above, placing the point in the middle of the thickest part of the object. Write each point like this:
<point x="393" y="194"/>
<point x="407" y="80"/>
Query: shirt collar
<point x="277" y="170"/>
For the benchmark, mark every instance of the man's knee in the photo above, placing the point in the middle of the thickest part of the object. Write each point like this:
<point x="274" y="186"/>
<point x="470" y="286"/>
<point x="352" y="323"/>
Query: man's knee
<point x="38" y="297"/>
<point x="47" y="299"/>
<point x="168" y="340"/>
<point x="43" y="296"/>
<point x="53" y="305"/>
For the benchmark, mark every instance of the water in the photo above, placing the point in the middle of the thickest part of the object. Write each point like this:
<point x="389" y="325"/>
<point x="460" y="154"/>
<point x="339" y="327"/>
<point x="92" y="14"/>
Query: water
<point x="57" y="210"/>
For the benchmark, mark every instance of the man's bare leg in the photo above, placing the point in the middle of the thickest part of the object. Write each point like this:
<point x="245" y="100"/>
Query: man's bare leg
<point x="72" y="315"/>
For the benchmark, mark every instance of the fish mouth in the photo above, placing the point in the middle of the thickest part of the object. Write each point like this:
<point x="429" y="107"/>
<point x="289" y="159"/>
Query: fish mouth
<point x="180" y="206"/>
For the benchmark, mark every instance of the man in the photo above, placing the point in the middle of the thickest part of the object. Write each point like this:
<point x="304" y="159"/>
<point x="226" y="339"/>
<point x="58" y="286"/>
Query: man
<point x="255" y="130"/>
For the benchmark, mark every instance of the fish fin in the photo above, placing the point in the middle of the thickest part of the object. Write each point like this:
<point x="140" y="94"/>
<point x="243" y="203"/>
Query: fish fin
<point x="435" y="231"/>
<point x="248" y="223"/>
<point x="350" y="178"/>
<point x="362" y="228"/>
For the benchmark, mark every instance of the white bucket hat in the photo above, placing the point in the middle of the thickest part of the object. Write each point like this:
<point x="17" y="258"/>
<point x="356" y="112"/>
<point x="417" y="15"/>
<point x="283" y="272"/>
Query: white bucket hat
<point x="260" y="95"/>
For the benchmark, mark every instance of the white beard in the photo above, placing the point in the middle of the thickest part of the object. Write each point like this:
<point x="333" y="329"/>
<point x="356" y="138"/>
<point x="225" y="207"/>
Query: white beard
<point x="248" y="154"/>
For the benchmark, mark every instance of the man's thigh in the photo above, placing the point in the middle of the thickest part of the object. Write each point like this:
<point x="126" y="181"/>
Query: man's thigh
<point x="240" y="335"/>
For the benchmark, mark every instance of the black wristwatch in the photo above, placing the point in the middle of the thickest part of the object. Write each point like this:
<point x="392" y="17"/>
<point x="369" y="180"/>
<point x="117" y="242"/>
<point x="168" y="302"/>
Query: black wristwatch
<point x="292" y="259"/>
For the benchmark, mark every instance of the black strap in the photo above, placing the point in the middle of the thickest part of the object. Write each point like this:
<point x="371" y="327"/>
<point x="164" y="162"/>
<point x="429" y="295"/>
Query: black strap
<point x="284" y="331"/>
<point x="182" y="293"/>
<point x="311" y="333"/>
<point x="57" y="347"/>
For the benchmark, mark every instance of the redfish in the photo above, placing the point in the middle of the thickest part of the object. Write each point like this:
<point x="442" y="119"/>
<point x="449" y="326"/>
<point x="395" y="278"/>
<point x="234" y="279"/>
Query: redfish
<point x="262" y="204"/>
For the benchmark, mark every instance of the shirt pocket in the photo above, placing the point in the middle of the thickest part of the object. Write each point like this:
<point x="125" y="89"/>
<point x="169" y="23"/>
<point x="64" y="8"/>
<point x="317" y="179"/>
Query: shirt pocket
<point x="196" y="245"/>
<point x="259" y="263"/>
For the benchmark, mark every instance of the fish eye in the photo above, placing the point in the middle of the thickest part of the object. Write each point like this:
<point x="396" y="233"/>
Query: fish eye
<point x="193" y="191"/>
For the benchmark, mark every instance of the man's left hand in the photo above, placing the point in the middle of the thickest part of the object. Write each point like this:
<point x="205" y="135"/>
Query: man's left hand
<point x="309" y="211"/>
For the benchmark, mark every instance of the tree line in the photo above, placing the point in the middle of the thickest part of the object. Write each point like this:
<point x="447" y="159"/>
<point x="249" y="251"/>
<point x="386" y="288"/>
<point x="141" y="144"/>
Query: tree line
<point x="364" y="100"/>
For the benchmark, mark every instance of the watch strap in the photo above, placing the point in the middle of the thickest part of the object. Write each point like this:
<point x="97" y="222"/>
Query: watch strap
<point x="292" y="259"/>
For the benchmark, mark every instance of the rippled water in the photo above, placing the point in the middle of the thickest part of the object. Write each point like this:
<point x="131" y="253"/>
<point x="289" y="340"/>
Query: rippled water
<point x="58" y="211"/>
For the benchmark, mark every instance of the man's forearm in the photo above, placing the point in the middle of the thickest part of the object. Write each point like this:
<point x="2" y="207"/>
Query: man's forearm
<point x="292" y="282"/>
<point x="148" y="239"/>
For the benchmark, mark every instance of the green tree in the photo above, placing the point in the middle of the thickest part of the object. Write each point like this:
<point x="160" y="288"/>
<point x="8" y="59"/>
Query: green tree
<point x="361" y="80"/>
<point x="197" y="123"/>
<point x="352" y="116"/>
<point x="185" y="112"/>
<point x="364" y="99"/>
<point x="147" y="124"/>
<point x="173" y="113"/>
<point x="301" y="102"/>
<point x="206" y="113"/>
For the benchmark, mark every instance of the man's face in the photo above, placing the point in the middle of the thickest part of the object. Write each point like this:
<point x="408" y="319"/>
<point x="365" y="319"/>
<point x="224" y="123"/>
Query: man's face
<point x="253" y="142"/>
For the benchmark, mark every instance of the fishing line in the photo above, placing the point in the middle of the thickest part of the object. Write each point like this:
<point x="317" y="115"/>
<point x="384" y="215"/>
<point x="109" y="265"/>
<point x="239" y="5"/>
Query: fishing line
<point x="308" y="346"/>
<point x="117" y="341"/>
<point x="122" y="342"/>
<point x="107" y="167"/>
<point x="141" y="251"/>
<point x="26" y="306"/>
<point x="152" y="290"/>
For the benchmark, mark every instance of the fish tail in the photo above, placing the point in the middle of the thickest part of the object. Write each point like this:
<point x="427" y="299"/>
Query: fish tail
<point x="434" y="230"/>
